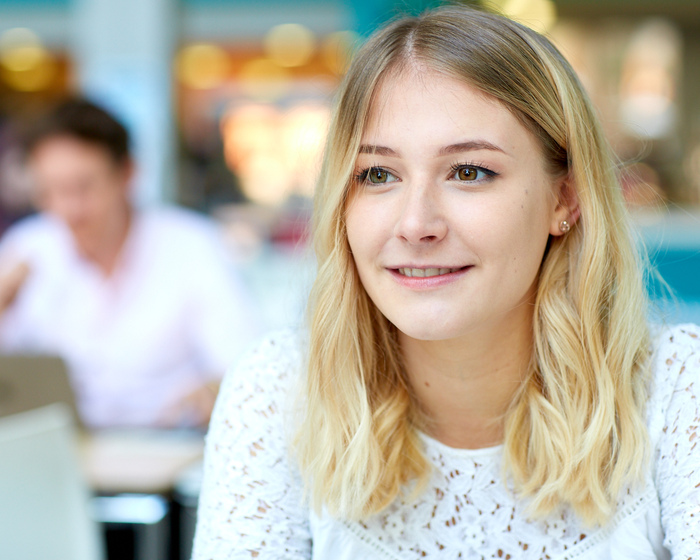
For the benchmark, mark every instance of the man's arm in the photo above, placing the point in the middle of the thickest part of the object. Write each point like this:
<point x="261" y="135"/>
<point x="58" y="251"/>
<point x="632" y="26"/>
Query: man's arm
<point x="11" y="281"/>
<point x="194" y="409"/>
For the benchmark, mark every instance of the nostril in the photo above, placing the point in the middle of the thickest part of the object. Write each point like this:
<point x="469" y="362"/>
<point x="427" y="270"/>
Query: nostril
<point x="421" y="227"/>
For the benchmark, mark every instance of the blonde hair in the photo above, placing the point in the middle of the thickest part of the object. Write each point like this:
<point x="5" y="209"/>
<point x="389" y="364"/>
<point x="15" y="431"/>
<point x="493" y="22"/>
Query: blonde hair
<point x="575" y="433"/>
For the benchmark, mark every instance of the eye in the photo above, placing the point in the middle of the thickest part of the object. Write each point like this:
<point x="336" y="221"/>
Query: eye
<point x="471" y="173"/>
<point x="376" y="176"/>
<point x="467" y="173"/>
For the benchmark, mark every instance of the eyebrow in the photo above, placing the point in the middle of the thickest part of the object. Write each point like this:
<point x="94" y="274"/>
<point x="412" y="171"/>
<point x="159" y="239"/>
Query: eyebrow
<point x="469" y="146"/>
<point x="380" y="150"/>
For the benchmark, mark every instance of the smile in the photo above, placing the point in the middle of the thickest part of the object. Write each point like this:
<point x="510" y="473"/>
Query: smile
<point x="426" y="272"/>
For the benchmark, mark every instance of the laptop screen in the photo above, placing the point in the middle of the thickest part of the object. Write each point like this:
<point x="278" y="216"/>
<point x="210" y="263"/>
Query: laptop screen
<point x="32" y="381"/>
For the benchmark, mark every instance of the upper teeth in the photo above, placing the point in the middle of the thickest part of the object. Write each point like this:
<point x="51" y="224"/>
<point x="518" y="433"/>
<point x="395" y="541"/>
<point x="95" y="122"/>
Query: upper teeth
<point x="425" y="272"/>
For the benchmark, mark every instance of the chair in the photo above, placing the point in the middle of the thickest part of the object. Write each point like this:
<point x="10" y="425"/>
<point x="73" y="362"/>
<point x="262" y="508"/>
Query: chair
<point x="43" y="497"/>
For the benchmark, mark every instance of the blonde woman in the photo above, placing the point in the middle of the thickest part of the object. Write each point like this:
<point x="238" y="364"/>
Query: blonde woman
<point x="478" y="379"/>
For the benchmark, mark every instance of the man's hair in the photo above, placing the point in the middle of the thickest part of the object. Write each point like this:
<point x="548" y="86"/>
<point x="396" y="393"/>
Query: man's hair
<point x="84" y="121"/>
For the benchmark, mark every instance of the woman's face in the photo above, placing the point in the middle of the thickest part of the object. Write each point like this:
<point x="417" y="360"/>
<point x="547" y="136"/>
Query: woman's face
<point x="451" y="209"/>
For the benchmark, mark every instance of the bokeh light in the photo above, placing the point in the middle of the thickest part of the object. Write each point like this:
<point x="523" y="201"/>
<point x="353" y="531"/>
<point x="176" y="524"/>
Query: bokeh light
<point x="540" y="15"/>
<point x="648" y="81"/>
<point x="290" y="44"/>
<point x="25" y="64"/>
<point x="337" y="50"/>
<point x="276" y="153"/>
<point x="264" y="80"/>
<point x="202" y="66"/>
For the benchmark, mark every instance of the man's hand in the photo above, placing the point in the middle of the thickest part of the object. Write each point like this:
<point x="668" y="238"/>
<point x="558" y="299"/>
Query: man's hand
<point x="194" y="409"/>
<point x="11" y="281"/>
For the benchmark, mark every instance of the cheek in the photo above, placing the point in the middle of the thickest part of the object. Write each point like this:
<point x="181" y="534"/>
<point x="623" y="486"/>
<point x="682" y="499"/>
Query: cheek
<point x="103" y="206"/>
<point x="102" y="201"/>
<point x="63" y="205"/>
<point x="512" y="230"/>
<point x="366" y="230"/>
<point x="530" y="234"/>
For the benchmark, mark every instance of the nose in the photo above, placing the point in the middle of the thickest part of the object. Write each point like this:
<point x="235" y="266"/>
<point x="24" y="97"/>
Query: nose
<point x="70" y="207"/>
<point x="422" y="219"/>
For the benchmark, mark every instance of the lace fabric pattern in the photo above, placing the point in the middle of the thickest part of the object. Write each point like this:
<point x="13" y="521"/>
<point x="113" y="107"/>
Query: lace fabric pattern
<point x="468" y="509"/>
<point x="251" y="504"/>
<point x="251" y="501"/>
<point x="677" y="453"/>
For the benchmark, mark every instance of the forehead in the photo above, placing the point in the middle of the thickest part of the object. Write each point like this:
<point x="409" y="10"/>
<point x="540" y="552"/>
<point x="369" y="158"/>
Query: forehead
<point x="62" y="150"/>
<point x="430" y="107"/>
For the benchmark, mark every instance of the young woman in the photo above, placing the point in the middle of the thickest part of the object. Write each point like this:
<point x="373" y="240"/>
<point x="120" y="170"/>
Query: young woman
<point x="478" y="380"/>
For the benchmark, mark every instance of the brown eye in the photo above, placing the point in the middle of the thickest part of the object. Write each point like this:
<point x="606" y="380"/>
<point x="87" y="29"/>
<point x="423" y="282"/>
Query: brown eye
<point x="467" y="173"/>
<point x="377" y="175"/>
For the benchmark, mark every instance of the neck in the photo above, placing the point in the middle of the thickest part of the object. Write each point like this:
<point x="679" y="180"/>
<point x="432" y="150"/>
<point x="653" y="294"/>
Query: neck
<point x="104" y="252"/>
<point x="465" y="386"/>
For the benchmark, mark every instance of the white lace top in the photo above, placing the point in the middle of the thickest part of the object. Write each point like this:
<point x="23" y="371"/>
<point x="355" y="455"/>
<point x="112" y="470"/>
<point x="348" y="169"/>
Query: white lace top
<point x="251" y="503"/>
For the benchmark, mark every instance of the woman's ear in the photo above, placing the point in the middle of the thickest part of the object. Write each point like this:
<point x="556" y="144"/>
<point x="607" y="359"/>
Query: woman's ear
<point x="566" y="212"/>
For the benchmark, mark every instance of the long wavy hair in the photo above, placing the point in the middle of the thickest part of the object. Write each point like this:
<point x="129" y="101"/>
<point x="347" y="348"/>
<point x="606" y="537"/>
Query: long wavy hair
<point x="575" y="433"/>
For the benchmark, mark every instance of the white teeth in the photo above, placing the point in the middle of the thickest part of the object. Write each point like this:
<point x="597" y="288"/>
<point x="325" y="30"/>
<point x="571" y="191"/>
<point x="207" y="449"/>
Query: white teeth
<point x="425" y="272"/>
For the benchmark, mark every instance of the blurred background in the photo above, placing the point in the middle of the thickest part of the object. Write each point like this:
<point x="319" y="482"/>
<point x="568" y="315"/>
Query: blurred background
<point x="228" y="102"/>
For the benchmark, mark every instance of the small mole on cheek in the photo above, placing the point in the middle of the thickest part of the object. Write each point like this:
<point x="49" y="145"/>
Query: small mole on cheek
<point x="526" y="192"/>
<point x="427" y="384"/>
<point x="521" y="207"/>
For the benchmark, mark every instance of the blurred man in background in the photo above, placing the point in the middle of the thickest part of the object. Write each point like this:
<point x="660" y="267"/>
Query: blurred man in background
<point x="141" y="304"/>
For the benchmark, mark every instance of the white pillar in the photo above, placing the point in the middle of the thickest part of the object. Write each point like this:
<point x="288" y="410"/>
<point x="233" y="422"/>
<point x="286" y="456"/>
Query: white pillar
<point x="123" y="50"/>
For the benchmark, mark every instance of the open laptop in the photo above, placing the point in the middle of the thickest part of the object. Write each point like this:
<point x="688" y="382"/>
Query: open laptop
<point x="45" y="506"/>
<point x="32" y="381"/>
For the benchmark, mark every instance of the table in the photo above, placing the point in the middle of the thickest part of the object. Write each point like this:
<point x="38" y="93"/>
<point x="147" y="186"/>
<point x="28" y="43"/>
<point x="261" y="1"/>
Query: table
<point x="133" y="472"/>
<point x="138" y="461"/>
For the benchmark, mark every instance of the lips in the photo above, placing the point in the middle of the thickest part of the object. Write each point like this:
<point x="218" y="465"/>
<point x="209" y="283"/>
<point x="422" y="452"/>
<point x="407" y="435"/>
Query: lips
<point x="425" y="272"/>
<point x="427" y="277"/>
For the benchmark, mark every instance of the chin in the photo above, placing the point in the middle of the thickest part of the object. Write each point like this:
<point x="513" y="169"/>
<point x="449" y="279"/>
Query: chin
<point x="428" y="332"/>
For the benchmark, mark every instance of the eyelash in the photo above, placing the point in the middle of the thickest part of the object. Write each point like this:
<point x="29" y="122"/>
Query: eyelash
<point x="361" y="176"/>
<point x="490" y="174"/>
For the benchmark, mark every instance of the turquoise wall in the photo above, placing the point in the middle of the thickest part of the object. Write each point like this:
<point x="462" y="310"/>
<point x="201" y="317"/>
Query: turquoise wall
<point x="33" y="3"/>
